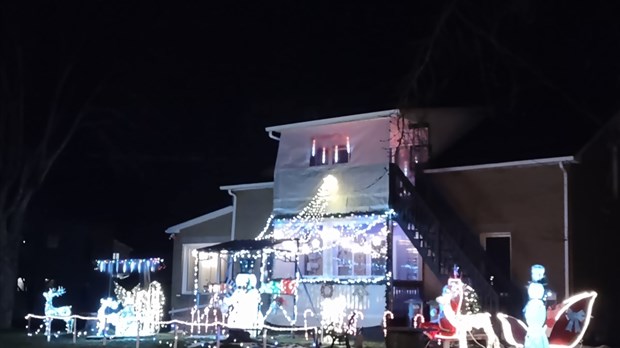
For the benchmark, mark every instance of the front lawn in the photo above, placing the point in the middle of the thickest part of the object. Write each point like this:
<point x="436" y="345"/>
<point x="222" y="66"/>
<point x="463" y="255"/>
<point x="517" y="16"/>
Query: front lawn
<point x="19" y="339"/>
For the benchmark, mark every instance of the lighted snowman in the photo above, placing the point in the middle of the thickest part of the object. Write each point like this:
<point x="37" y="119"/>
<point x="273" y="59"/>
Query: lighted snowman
<point x="243" y="306"/>
<point x="535" y="311"/>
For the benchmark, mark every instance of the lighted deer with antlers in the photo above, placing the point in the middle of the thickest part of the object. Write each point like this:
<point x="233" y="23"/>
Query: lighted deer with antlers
<point x="50" y="311"/>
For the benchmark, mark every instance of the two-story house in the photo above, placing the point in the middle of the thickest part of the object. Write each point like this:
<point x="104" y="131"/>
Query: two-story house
<point x="393" y="223"/>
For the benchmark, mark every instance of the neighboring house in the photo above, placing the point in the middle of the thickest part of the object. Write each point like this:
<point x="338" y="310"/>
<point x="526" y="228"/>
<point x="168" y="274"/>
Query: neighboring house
<point x="548" y="194"/>
<point x="252" y="205"/>
<point x="420" y="193"/>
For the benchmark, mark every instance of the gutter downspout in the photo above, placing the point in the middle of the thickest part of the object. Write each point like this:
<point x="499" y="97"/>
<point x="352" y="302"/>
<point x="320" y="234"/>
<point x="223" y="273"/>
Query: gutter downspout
<point x="614" y="170"/>
<point x="234" y="215"/>
<point x="273" y="136"/>
<point x="566" y="258"/>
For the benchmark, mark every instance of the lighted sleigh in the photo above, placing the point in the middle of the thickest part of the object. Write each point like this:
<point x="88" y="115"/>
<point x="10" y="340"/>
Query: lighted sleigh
<point x="455" y="326"/>
<point x="566" y="323"/>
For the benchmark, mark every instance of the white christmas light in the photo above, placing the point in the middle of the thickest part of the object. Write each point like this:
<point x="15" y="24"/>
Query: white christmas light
<point x="140" y="310"/>
<point x="386" y="315"/>
<point x="63" y="313"/>
<point x="464" y="323"/>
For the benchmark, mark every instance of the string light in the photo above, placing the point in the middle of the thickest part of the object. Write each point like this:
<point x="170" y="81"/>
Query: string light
<point x="130" y="265"/>
<point x="570" y="311"/>
<point x="386" y="315"/>
<point x="184" y="323"/>
<point x="50" y="310"/>
<point x="140" y="311"/>
<point x="302" y="235"/>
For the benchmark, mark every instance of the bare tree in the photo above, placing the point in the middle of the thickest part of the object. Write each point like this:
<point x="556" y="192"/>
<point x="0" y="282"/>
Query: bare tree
<point x="511" y="54"/>
<point x="43" y="99"/>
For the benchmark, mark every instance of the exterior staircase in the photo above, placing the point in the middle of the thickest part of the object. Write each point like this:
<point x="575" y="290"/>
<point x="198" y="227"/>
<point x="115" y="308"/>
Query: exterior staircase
<point x="443" y="240"/>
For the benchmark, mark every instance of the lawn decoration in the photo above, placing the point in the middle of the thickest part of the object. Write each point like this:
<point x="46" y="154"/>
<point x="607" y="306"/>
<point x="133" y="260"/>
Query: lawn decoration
<point x="340" y="327"/>
<point x="568" y="325"/>
<point x="242" y="307"/>
<point x="136" y="311"/>
<point x="453" y="324"/>
<point x="465" y="323"/>
<point x="535" y="312"/>
<point x="106" y="315"/>
<point x="51" y="311"/>
<point x="133" y="312"/>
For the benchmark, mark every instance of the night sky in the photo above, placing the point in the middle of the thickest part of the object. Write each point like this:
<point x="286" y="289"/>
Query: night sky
<point x="188" y="87"/>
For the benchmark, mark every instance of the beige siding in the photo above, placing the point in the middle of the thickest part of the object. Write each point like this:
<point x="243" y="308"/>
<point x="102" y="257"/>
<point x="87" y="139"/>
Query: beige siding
<point x="253" y="210"/>
<point x="212" y="231"/>
<point x="527" y="202"/>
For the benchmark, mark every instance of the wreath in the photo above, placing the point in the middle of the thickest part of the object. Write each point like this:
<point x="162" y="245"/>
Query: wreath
<point x="327" y="290"/>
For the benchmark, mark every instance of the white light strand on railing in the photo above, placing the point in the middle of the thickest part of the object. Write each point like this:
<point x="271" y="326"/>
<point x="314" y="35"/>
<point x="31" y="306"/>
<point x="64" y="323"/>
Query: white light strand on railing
<point x="181" y="322"/>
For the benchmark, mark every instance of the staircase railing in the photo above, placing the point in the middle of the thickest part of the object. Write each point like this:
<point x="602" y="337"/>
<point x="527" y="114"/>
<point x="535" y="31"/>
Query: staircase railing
<point x="441" y="238"/>
<point x="461" y="231"/>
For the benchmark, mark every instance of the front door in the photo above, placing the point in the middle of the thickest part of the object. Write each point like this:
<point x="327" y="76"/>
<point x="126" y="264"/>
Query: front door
<point x="497" y="246"/>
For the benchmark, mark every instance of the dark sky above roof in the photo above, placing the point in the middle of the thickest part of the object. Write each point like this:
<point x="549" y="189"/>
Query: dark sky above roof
<point x="188" y="87"/>
<point x="533" y="134"/>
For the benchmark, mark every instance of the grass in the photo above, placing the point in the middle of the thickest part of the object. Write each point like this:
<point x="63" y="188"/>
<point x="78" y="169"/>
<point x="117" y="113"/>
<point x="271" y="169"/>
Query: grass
<point x="19" y="339"/>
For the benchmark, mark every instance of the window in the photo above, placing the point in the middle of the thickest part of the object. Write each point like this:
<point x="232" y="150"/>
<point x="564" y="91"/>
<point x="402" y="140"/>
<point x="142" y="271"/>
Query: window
<point x="318" y="155"/>
<point x="362" y="256"/>
<point x="330" y="150"/>
<point x="342" y="152"/>
<point x="313" y="264"/>
<point x="421" y="143"/>
<point x="207" y="268"/>
<point x="406" y="261"/>
<point x="350" y="263"/>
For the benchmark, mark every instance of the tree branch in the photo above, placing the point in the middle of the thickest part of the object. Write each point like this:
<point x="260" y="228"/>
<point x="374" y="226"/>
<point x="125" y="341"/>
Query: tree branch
<point x="54" y="106"/>
<point x="431" y="46"/>
<point x="47" y="164"/>
<point x="520" y="61"/>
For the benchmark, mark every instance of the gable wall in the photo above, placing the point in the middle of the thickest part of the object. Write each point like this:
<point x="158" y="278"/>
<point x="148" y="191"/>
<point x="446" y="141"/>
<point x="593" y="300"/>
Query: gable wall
<point x="527" y="202"/>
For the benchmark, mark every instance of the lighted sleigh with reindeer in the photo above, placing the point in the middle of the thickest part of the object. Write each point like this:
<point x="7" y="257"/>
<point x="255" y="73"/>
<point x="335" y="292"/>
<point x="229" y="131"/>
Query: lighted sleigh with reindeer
<point x="453" y="325"/>
<point x="566" y="323"/>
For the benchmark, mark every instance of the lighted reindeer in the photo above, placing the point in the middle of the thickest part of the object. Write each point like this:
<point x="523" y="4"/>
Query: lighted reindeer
<point x="453" y="325"/>
<point x="464" y="323"/>
<point x="63" y="312"/>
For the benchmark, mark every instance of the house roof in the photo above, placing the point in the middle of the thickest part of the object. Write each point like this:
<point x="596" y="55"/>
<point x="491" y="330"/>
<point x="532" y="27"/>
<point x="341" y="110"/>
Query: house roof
<point x="333" y="120"/>
<point x="522" y="163"/>
<point x="539" y="137"/>
<point x="244" y="187"/>
<point x="243" y="244"/>
<point x="210" y="216"/>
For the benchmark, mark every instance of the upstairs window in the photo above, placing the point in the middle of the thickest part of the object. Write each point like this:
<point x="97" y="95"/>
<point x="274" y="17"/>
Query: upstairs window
<point x="319" y="155"/>
<point x="333" y="149"/>
<point x="421" y="143"/>
<point x="342" y="152"/>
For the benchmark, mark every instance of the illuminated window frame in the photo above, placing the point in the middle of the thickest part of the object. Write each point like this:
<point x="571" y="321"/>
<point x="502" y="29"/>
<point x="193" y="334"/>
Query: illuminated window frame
<point x="400" y="240"/>
<point x="342" y="152"/>
<point x="330" y="152"/>
<point x="187" y="281"/>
